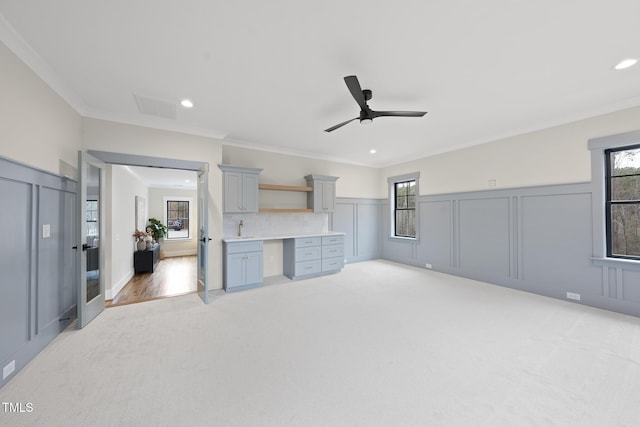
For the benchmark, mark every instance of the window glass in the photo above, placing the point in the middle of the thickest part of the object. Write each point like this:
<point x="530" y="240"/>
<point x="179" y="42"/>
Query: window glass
<point x="177" y="219"/>
<point x="92" y="217"/>
<point x="405" y="209"/>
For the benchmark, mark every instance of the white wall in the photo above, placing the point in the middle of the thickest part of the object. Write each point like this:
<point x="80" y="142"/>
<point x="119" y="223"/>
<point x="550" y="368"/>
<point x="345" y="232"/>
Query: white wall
<point x="121" y="191"/>
<point x="355" y="181"/>
<point x="128" y="139"/>
<point x="37" y="127"/>
<point x="556" y="155"/>
<point x="156" y="210"/>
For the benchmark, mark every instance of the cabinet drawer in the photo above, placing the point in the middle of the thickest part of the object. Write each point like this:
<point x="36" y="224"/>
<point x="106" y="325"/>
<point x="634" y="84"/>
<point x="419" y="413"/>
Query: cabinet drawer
<point x="332" y="264"/>
<point x="332" y="240"/>
<point x="308" y="267"/>
<point x="332" y="251"/>
<point x="308" y="254"/>
<point x="239" y="247"/>
<point x="303" y="242"/>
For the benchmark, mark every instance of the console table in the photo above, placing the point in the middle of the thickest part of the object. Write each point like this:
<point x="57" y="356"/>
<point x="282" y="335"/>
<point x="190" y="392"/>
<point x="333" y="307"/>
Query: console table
<point x="147" y="260"/>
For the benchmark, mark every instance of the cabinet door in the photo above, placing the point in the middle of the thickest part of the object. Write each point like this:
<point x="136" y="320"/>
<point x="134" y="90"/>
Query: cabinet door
<point x="249" y="192"/>
<point x="236" y="270"/>
<point x="328" y="196"/>
<point x="253" y="268"/>
<point x="232" y="192"/>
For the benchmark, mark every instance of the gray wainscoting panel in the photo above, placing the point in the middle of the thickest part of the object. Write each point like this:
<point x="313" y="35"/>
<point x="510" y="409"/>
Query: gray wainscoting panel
<point x="556" y="245"/>
<point x="49" y="295"/>
<point x="537" y="239"/>
<point x="37" y="260"/>
<point x="631" y="286"/>
<point x="484" y="240"/>
<point x="15" y="254"/>
<point x="436" y="233"/>
<point x="368" y="224"/>
<point x="345" y="221"/>
<point x="360" y="219"/>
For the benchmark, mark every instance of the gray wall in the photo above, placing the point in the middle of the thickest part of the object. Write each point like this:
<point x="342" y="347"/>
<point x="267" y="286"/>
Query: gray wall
<point x="537" y="239"/>
<point x="38" y="280"/>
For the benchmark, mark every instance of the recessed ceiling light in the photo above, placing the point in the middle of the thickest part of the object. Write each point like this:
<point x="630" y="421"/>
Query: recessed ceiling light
<point x="372" y="151"/>
<point x="186" y="103"/>
<point x="187" y="180"/>
<point x="625" y="63"/>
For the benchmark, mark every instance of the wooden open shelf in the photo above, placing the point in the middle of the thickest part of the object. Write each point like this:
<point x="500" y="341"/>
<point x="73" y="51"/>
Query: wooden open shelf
<point x="284" y="187"/>
<point x="278" y="210"/>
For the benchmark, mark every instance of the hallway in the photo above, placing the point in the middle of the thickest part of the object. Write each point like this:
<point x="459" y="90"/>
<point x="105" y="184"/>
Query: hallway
<point x="173" y="276"/>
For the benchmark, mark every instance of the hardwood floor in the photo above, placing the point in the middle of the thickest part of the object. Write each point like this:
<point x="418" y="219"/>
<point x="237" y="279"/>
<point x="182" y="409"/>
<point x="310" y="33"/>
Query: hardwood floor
<point x="173" y="276"/>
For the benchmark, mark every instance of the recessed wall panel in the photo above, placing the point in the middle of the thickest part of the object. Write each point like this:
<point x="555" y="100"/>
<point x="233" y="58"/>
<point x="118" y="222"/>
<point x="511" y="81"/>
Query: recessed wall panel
<point x="557" y="244"/>
<point x="368" y="220"/>
<point x="434" y="246"/>
<point x="484" y="238"/>
<point x="15" y="253"/>
<point x="631" y="286"/>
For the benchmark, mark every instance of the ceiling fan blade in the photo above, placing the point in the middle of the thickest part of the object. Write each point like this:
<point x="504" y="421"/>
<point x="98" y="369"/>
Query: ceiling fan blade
<point x="356" y="91"/>
<point x="398" y="113"/>
<point x="339" y="125"/>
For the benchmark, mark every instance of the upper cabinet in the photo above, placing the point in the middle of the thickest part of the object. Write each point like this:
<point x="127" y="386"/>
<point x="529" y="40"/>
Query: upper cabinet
<point x="323" y="196"/>
<point x="240" y="188"/>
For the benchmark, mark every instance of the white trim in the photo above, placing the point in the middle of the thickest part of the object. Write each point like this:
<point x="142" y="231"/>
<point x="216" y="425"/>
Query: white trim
<point x="111" y="293"/>
<point x="23" y="50"/>
<point x="170" y="254"/>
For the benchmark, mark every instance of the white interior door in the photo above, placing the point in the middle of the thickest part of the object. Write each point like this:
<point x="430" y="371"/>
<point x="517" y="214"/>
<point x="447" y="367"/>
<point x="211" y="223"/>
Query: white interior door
<point x="90" y="229"/>
<point x="203" y="233"/>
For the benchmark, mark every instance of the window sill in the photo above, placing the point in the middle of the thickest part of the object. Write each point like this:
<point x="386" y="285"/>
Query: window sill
<point x="402" y="239"/>
<point x="628" y="264"/>
<point x="178" y="239"/>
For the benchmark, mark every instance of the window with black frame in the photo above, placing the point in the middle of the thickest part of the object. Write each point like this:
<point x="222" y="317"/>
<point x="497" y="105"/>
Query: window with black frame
<point x="623" y="202"/>
<point x="405" y="208"/>
<point x="177" y="219"/>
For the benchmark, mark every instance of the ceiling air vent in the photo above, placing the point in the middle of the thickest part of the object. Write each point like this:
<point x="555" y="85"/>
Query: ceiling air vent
<point x="156" y="107"/>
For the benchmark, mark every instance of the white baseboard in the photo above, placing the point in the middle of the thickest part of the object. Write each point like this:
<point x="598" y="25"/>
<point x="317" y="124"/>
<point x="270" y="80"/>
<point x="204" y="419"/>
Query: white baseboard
<point x="110" y="293"/>
<point x="169" y="254"/>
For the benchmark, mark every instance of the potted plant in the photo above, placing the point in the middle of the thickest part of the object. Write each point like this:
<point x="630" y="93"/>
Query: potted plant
<point x="157" y="229"/>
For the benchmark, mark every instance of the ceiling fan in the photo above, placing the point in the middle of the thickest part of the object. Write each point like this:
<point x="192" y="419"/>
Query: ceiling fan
<point x="367" y="114"/>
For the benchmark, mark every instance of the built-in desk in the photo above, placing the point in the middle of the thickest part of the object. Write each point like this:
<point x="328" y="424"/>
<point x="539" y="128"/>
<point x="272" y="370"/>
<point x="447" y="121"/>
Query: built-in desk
<point x="304" y="256"/>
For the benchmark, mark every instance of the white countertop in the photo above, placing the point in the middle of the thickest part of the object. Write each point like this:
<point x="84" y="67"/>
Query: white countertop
<point x="249" y="238"/>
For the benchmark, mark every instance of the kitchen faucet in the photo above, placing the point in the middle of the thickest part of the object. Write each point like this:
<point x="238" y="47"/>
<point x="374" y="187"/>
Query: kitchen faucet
<point x="240" y="225"/>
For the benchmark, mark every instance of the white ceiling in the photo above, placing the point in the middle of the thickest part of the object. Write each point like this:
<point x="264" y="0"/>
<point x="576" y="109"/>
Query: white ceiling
<point x="165" y="178"/>
<point x="268" y="74"/>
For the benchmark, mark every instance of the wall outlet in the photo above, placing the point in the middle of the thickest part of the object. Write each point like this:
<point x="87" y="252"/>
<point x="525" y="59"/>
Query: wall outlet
<point x="492" y="183"/>
<point x="573" y="295"/>
<point x="429" y="266"/>
<point x="8" y="370"/>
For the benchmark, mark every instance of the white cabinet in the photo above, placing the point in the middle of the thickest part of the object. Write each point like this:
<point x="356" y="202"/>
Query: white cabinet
<point x="240" y="187"/>
<point x="242" y="265"/>
<point x="323" y="196"/>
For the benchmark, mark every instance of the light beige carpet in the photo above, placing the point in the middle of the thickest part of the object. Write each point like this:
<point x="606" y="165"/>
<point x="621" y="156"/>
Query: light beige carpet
<point x="379" y="344"/>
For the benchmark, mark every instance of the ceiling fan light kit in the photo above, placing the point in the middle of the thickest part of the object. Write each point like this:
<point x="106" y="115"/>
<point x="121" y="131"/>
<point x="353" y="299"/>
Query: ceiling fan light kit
<point x="367" y="114"/>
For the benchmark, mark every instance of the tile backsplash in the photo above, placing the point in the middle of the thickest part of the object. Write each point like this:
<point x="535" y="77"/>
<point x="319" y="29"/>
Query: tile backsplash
<point x="270" y="224"/>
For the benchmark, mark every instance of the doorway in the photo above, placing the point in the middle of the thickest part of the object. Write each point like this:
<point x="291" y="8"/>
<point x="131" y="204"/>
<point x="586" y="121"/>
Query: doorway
<point x="122" y="191"/>
<point x="168" y="197"/>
